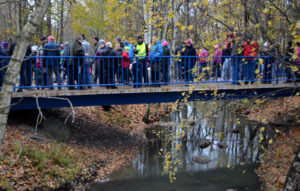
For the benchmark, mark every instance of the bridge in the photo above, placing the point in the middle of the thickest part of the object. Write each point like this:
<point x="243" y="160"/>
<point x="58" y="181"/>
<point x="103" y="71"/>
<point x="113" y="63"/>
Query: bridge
<point x="128" y="95"/>
<point x="172" y="81"/>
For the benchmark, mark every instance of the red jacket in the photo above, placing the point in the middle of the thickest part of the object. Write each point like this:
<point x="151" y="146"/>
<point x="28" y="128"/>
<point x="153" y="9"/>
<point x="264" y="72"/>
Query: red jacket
<point x="126" y="61"/>
<point x="250" y="49"/>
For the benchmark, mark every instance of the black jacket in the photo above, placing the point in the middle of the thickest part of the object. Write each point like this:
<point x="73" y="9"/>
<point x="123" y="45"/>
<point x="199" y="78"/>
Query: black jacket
<point x="76" y="50"/>
<point x="109" y="61"/>
<point x="12" y="48"/>
<point x="119" y="54"/>
<point x="189" y="51"/>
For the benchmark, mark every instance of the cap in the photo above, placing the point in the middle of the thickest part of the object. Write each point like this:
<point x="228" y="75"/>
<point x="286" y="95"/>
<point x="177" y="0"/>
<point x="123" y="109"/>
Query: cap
<point x="51" y="38"/>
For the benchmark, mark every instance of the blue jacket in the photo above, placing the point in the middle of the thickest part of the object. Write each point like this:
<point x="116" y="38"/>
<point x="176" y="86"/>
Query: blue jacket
<point x="156" y="51"/>
<point x="52" y="49"/>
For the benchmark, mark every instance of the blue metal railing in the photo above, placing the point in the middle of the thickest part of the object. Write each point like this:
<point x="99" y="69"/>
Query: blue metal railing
<point x="86" y="72"/>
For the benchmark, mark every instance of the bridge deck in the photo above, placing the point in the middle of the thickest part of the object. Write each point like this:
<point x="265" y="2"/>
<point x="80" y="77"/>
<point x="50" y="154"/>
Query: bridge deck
<point x="96" y="90"/>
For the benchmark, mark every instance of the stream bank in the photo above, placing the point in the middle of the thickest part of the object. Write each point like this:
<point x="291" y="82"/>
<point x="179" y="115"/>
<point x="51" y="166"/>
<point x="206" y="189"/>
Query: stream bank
<point x="69" y="156"/>
<point x="281" y="116"/>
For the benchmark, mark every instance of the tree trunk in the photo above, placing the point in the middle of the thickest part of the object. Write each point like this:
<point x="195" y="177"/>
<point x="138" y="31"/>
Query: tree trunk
<point x="176" y="8"/>
<point x="49" y="20"/>
<point x="17" y="58"/>
<point x="147" y="114"/>
<point x="292" y="181"/>
<point x="61" y="32"/>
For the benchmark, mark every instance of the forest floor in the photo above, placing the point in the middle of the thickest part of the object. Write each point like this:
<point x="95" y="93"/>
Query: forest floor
<point x="70" y="156"/>
<point x="283" y="115"/>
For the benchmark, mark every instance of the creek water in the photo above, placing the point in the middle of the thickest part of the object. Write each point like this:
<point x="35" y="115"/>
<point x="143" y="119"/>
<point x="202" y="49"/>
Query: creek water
<point x="229" y="168"/>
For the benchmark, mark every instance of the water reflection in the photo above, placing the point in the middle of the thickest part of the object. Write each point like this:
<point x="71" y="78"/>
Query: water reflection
<point x="216" y="127"/>
<point x="212" y="121"/>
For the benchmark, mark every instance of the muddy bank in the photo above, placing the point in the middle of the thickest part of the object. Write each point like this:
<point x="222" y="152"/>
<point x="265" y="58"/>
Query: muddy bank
<point x="99" y="141"/>
<point x="281" y="116"/>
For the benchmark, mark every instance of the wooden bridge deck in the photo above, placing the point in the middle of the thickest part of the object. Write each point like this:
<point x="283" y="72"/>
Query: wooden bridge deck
<point x="96" y="90"/>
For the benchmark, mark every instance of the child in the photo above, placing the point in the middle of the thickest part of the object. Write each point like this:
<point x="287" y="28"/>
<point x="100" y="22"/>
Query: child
<point x="125" y="65"/>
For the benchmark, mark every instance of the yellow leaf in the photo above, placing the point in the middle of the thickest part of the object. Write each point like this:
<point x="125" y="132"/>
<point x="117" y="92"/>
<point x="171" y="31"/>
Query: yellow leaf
<point x="269" y="23"/>
<point x="270" y="141"/>
<point x="190" y="27"/>
<point x="266" y="11"/>
<point x="182" y="27"/>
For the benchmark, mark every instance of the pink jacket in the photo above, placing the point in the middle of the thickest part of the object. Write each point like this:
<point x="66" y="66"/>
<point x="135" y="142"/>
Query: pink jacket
<point x="217" y="55"/>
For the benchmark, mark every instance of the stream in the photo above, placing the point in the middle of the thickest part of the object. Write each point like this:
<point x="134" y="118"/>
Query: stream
<point x="227" y="166"/>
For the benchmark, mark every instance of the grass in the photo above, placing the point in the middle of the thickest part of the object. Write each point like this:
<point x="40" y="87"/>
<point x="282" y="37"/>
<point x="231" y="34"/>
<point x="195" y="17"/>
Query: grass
<point x="53" y="162"/>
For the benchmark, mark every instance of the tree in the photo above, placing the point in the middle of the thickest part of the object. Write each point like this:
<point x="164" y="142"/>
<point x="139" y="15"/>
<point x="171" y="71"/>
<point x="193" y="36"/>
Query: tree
<point x="17" y="58"/>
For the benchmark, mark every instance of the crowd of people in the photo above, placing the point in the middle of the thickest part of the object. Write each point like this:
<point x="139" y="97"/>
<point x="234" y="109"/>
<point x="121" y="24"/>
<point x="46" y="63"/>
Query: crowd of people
<point x="79" y="65"/>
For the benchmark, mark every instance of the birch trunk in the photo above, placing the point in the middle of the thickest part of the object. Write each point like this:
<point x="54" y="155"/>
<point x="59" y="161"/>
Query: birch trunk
<point x="146" y="31"/>
<point x="16" y="61"/>
<point x="292" y="181"/>
<point x="176" y="8"/>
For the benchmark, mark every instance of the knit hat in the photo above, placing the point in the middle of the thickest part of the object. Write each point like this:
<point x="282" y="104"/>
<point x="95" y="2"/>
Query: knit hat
<point x="189" y="41"/>
<point x="102" y="42"/>
<point x="139" y="37"/>
<point x="165" y="43"/>
<point x="51" y="38"/>
<point x="4" y="44"/>
<point x="119" y="39"/>
<point x="96" y="38"/>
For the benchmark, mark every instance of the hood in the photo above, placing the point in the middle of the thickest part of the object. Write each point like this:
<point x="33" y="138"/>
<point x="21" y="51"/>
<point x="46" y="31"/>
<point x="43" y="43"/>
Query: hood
<point x="158" y="42"/>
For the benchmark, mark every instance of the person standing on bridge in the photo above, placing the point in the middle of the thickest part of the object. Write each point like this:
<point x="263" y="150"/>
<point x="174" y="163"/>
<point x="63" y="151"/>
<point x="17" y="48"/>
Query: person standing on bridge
<point x="109" y="65"/>
<point x="85" y="70"/>
<point x="178" y="61"/>
<point x="99" y="66"/>
<point x="76" y="50"/>
<point x="52" y="49"/>
<point x="42" y="61"/>
<point x="166" y="62"/>
<point x="155" y="59"/>
<point x="140" y="67"/>
<point x="250" y="50"/>
<point x="189" y="60"/>
<point x="118" y="63"/>
<point x="203" y="68"/>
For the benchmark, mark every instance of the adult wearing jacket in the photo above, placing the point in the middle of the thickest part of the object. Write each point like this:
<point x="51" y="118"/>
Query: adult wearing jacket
<point x="166" y="62"/>
<point x="76" y="50"/>
<point x="217" y="62"/>
<point x="52" y="49"/>
<point x="189" y="60"/>
<point x="250" y="50"/>
<point x="109" y="63"/>
<point x="268" y="50"/>
<point x="85" y="74"/>
<point x="178" y="60"/>
<point x="155" y="59"/>
<point x="42" y="61"/>
<point x="26" y="68"/>
<point x="226" y="69"/>
<point x="118" y="62"/>
<point x="140" y="66"/>
<point x="99" y="66"/>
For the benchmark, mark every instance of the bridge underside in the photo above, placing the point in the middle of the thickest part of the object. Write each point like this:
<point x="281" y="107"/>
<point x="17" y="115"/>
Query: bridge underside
<point x="127" y="95"/>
